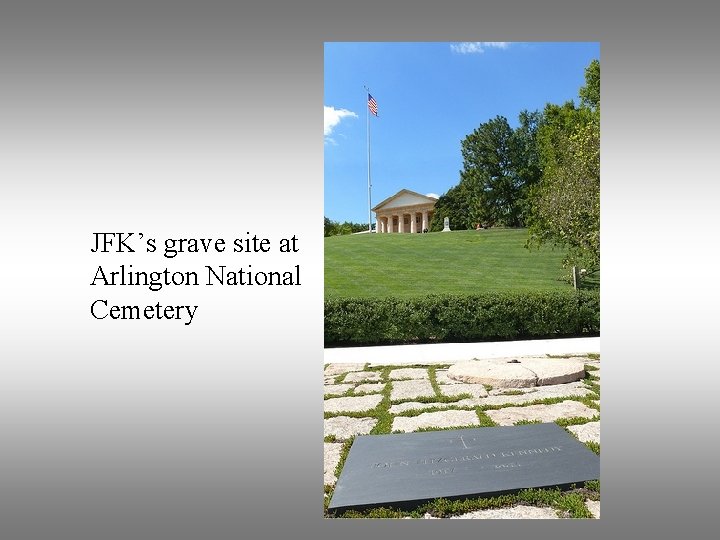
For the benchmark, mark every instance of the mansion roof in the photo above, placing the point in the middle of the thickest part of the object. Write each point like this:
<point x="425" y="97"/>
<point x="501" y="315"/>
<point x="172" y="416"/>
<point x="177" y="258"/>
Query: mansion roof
<point x="404" y="198"/>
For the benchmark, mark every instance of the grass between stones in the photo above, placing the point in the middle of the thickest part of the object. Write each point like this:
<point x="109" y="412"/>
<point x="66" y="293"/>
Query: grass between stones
<point x="567" y="503"/>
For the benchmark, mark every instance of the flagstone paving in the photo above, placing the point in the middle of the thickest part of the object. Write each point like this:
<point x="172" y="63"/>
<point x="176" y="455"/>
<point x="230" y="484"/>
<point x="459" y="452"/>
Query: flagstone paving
<point x="409" y="373"/>
<point x="420" y="397"/>
<point x="370" y="388"/>
<point x="516" y="512"/>
<point x="594" y="507"/>
<point x="440" y="419"/>
<point x="510" y="416"/>
<point x="587" y="432"/>
<point x="353" y="404"/>
<point x="411" y="390"/>
<point x="344" y="427"/>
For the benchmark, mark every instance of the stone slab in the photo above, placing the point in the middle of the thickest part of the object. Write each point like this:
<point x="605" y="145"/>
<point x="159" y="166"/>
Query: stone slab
<point x="331" y="457"/>
<point x="409" y="373"/>
<point x="411" y="390"/>
<point x="589" y="432"/>
<point x="475" y="390"/>
<point x="594" y="507"/>
<point x="543" y="413"/>
<point x="555" y="370"/>
<point x="362" y="376"/>
<point x="518" y="372"/>
<point x="333" y="370"/>
<point x="370" y="388"/>
<point x="437" y="419"/>
<point x="417" y="405"/>
<point x="336" y="389"/>
<point x="344" y="427"/>
<point x="514" y="512"/>
<point x="352" y="404"/>
<point x="406" y="470"/>
<point x="539" y="392"/>
<point x="498" y="374"/>
<point x="441" y="376"/>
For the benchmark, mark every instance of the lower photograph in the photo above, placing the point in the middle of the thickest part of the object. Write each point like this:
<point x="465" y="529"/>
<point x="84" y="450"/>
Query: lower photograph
<point x="514" y="437"/>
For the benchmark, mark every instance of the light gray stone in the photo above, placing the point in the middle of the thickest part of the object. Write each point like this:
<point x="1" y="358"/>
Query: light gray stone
<point x="337" y="389"/>
<point x="555" y="370"/>
<point x="475" y="390"/>
<point x="512" y="391"/>
<point x="411" y="389"/>
<point x="441" y="376"/>
<point x="416" y="405"/>
<point x="498" y="373"/>
<point x="331" y="458"/>
<point x="438" y="419"/>
<point x="362" y="376"/>
<point x="594" y="507"/>
<point x="353" y="404"/>
<point x="514" y="512"/>
<point x="409" y="373"/>
<point x="539" y="392"/>
<point x="589" y="432"/>
<point x="344" y="427"/>
<point x="370" y="388"/>
<point x="544" y="413"/>
<point x="333" y="370"/>
<point x="518" y="372"/>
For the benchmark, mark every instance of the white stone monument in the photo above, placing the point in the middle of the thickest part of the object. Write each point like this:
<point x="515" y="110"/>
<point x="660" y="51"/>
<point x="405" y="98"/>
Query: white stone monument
<point x="446" y="224"/>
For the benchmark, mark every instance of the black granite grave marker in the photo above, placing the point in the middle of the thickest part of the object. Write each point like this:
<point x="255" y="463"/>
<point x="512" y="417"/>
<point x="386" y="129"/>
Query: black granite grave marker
<point x="405" y="470"/>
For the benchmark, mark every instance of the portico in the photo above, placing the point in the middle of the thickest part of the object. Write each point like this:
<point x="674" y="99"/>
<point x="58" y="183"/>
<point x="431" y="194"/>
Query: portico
<point x="404" y="212"/>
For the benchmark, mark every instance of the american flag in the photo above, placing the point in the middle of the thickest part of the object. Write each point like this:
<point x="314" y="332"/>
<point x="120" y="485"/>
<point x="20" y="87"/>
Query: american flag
<point x="372" y="105"/>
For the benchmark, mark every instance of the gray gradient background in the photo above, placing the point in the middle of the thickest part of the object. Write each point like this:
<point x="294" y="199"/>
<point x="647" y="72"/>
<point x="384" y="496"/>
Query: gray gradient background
<point x="167" y="118"/>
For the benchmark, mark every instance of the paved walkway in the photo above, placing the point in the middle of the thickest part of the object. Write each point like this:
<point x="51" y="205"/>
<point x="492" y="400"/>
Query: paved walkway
<point x="358" y="393"/>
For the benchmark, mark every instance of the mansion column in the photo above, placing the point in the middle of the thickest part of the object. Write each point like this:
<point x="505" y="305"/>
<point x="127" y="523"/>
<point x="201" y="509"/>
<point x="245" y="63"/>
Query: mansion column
<point x="413" y="225"/>
<point x="389" y="228"/>
<point x="425" y="220"/>
<point x="401" y="225"/>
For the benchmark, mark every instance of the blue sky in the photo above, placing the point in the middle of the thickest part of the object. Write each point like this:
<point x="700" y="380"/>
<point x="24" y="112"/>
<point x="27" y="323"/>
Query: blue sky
<point x="430" y="96"/>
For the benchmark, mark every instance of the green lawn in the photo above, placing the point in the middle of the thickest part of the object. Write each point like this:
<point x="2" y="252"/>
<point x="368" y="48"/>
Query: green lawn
<point x="456" y="262"/>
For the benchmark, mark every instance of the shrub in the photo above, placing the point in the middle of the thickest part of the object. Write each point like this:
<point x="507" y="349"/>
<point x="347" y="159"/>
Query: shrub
<point x="451" y="318"/>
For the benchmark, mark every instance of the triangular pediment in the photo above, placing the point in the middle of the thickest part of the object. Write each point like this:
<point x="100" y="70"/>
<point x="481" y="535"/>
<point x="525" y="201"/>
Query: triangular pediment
<point x="403" y="198"/>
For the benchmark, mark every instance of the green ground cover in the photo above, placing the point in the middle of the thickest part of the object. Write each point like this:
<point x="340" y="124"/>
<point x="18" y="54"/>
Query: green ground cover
<point x="455" y="262"/>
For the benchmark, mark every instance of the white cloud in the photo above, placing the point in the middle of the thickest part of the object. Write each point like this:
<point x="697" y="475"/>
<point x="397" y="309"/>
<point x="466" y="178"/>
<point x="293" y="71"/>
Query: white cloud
<point x="433" y="195"/>
<point x="332" y="118"/>
<point x="477" y="47"/>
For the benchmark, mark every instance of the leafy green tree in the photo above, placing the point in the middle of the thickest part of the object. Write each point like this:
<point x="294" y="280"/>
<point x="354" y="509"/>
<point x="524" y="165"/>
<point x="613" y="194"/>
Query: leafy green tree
<point x="499" y="167"/>
<point x="565" y="205"/>
<point x="334" y="228"/>
<point x="460" y="204"/>
<point x="590" y="93"/>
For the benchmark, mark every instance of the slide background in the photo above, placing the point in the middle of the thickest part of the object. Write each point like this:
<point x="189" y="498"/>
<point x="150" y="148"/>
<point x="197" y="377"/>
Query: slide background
<point x="203" y="119"/>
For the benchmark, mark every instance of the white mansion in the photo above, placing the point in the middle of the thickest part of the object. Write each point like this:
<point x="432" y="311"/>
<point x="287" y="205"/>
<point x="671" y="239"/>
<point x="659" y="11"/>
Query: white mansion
<point x="406" y="211"/>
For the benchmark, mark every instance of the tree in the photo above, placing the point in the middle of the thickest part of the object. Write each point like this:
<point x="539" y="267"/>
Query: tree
<point x="334" y="228"/>
<point x="460" y="205"/>
<point x="590" y="93"/>
<point x="499" y="166"/>
<point x="565" y="205"/>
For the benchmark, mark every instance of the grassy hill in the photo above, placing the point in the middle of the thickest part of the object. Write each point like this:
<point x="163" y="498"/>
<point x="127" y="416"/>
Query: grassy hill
<point x="456" y="262"/>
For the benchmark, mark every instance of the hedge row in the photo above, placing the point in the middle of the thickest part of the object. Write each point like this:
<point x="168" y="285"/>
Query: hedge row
<point x="446" y="318"/>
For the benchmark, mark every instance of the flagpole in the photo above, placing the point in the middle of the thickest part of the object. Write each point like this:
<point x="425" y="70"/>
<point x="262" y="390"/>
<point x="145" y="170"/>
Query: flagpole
<point x="367" y="111"/>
